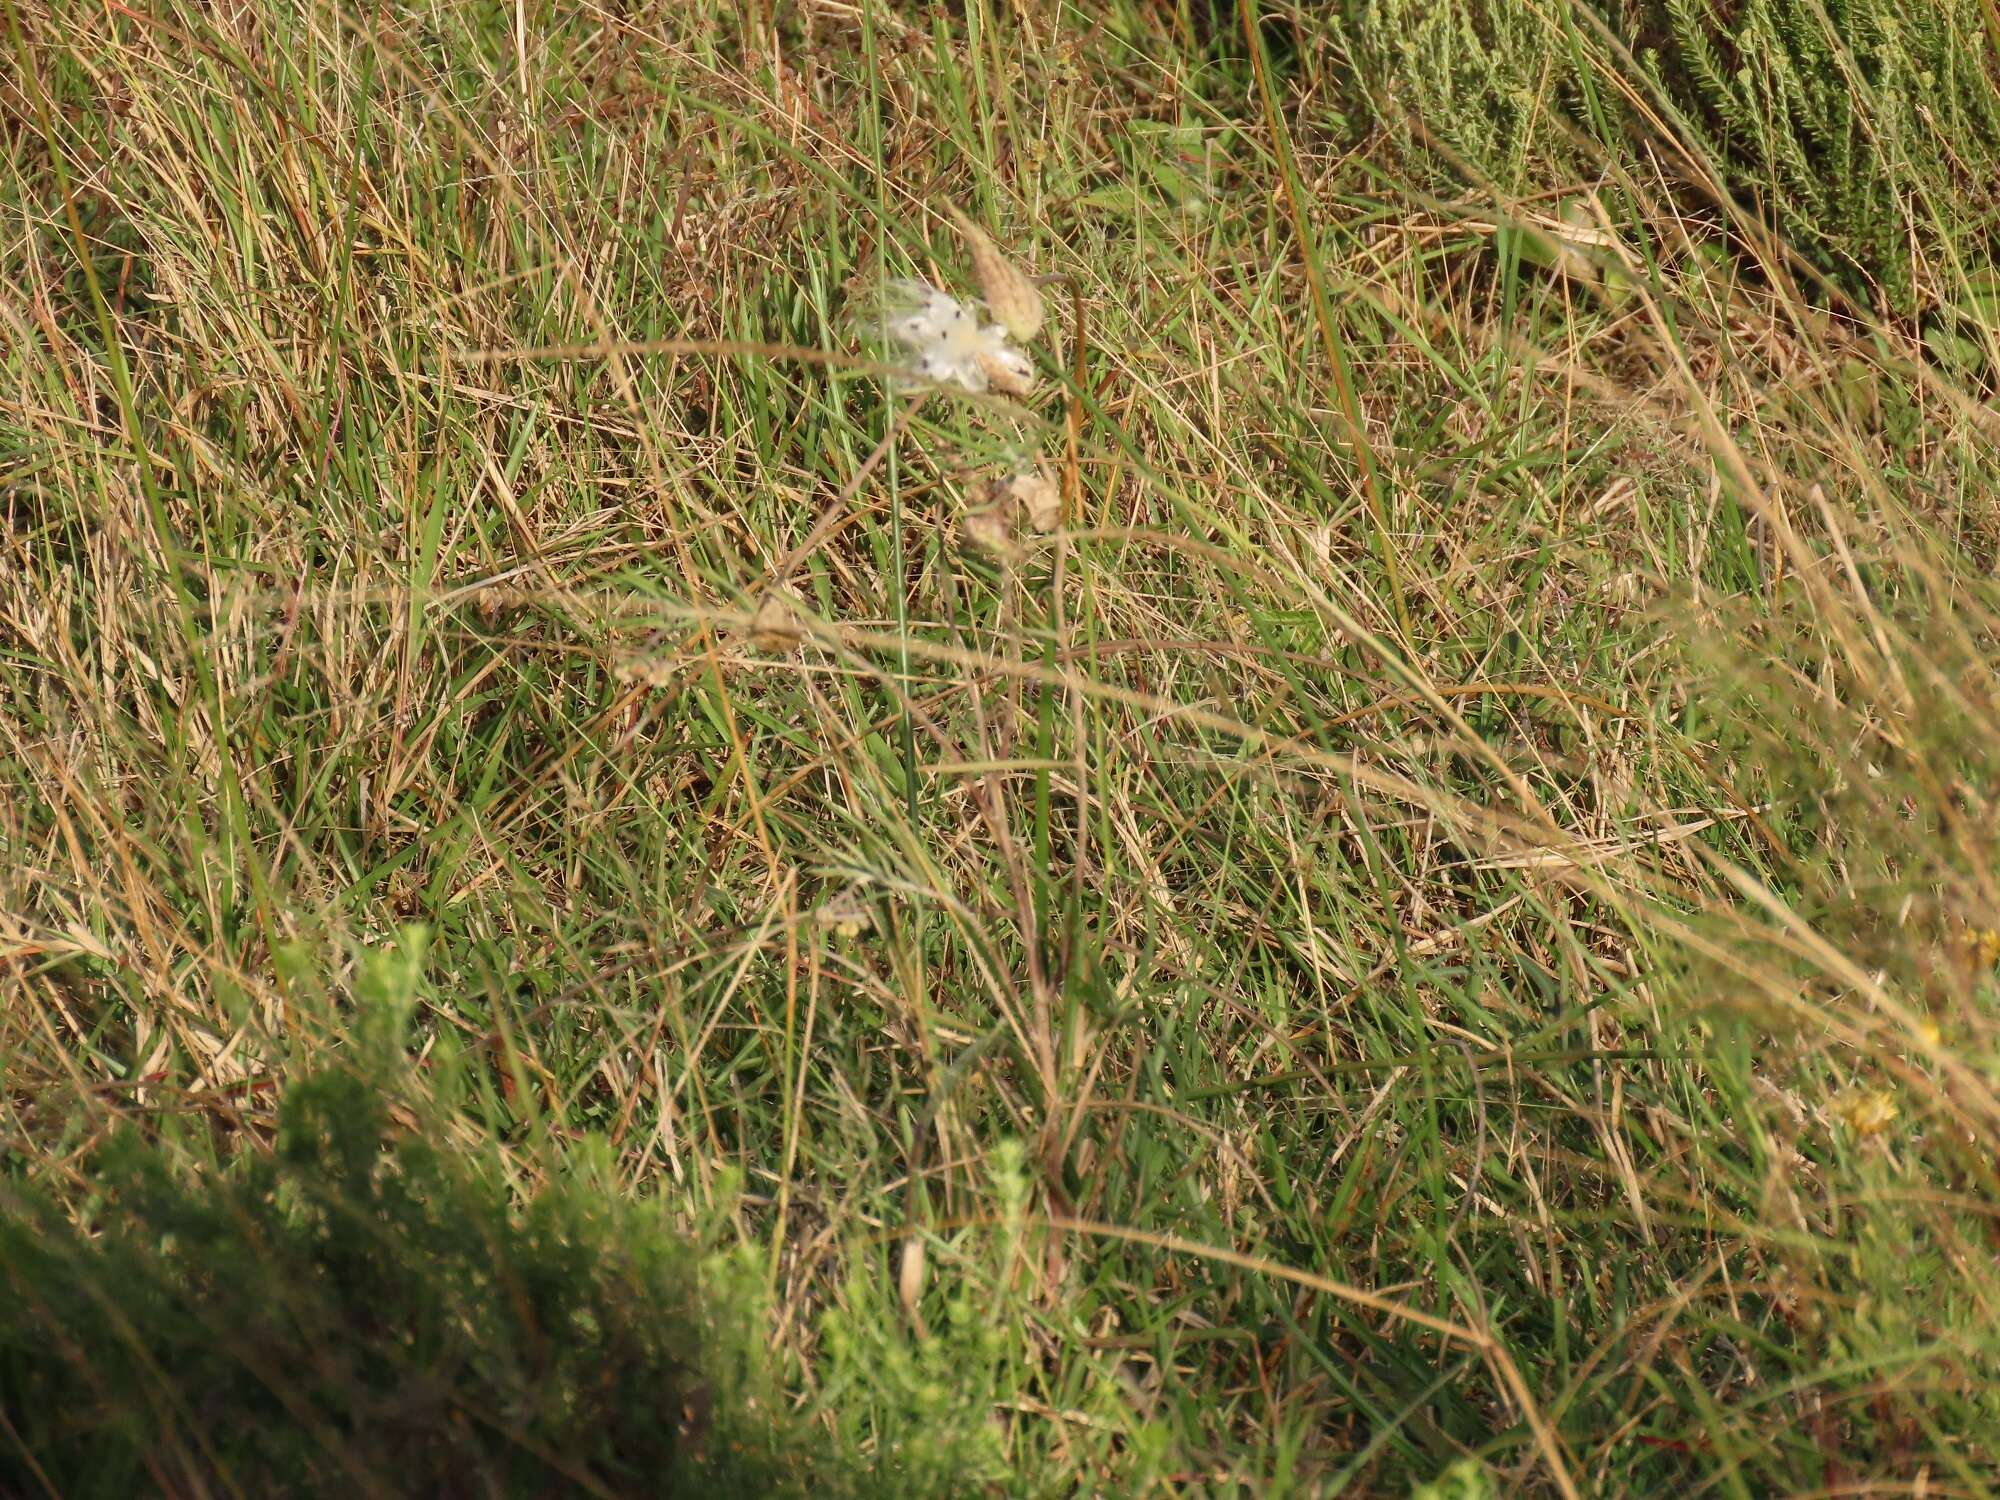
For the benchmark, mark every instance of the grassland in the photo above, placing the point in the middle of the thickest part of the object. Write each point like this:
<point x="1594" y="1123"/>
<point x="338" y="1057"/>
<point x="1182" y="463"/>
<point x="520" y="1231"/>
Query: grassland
<point x="1439" y="930"/>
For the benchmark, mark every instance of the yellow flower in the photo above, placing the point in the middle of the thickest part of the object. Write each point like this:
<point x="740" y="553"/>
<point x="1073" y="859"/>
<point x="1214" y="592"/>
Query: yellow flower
<point x="846" y="915"/>
<point x="1985" y="944"/>
<point x="1870" y="1113"/>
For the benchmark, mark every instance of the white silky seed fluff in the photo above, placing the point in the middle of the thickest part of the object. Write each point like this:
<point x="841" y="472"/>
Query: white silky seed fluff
<point x="946" y="344"/>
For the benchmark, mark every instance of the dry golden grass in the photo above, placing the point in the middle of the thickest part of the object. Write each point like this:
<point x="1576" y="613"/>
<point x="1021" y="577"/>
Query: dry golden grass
<point x="1444" y="910"/>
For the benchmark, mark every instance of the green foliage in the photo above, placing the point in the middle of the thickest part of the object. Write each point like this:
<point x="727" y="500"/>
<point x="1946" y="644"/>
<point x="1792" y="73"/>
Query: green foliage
<point x="1482" y="79"/>
<point x="1496" y="962"/>
<point x="356" y="1314"/>
<point x="1868" y="131"/>
<point x="1463" y="1480"/>
<point x="1864" y="126"/>
<point x="927" y="1401"/>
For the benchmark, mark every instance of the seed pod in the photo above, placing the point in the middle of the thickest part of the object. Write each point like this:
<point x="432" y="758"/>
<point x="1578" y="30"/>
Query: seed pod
<point x="1010" y="296"/>
<point x="1008" y="372"/>
<point x="990" y="527"/>
<point x="1039" y="499"/>
<point x="775" y="628"/>
<point x="910" y="1279"/>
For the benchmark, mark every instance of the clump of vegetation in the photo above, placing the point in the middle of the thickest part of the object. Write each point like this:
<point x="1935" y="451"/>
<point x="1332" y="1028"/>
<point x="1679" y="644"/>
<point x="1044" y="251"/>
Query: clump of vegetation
<point x="1478" y="87"/>
<point x="1867" y="132"/>
<point x="361" y="1312"/>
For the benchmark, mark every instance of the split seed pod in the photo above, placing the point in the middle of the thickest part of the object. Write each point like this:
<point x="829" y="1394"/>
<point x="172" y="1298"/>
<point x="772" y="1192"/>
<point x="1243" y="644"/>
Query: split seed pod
<point x="1005" y="375"/>
<point x="775" y="628"/>
<point x="990" y="527"/>
<point x="1038" y="497"/>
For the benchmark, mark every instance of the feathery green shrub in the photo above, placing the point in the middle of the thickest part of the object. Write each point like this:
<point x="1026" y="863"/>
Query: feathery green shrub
<point x="1869" y="130"/>
<point x="1866" y="131"/>
<point x="361" y="1314"/>
<point x="1479" y="86"/>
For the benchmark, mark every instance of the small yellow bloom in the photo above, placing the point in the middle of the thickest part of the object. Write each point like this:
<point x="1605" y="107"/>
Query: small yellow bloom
<point x="846" y="914"/>
<point x="1985" y="944"/>
<point x="1870" y="1113"/>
